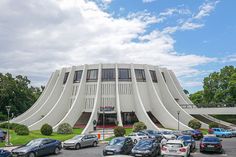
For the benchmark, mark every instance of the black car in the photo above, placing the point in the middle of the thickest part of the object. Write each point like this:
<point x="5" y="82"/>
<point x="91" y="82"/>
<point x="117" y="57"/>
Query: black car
<point x="197" y="134"/>
<point x="147" y="147"/>
<point x="188" y="139"/>
<point x="2" y="135"/>
<point x="4" y="153"/>
<point x="119" y="145"/>
<point x="153" y="134"/>
<point x="211" y="144"/>
<point x="38" y="147"/>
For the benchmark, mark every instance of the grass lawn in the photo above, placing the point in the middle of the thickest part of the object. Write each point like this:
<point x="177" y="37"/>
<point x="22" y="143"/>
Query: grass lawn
<point x="127" y="132"/>
<point x="20" y="140"/>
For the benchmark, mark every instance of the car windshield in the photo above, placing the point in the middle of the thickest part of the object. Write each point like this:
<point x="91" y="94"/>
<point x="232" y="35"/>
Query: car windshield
<point x="34" y="143"/>
<point x="77" y="137"/>
<point x="166" y="132"/>
<point x="141" y="134"/>
<point x="116" y="141"/>
<point x="144" y="144"/>
<point x="174" y="145"/>
<point x="210" y="139"/>
<point x="150" y="131"/>
<point x="185" y="138"/>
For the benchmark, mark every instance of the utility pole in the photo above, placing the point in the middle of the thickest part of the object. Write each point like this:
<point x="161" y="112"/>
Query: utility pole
<point x="178" y="112"/>
<point x="8" y="108"/>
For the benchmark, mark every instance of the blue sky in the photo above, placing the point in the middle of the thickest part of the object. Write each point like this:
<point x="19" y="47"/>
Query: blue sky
<point x="191" y="37"/>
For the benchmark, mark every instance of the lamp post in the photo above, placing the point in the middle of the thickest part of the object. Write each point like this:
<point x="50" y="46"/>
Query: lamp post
<point x="178" y="112"/>
<point x="103" y="130"/>
<point x="8" y="108"/>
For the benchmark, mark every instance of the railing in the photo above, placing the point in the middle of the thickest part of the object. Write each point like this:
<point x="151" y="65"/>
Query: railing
<point x="207" y="105"/>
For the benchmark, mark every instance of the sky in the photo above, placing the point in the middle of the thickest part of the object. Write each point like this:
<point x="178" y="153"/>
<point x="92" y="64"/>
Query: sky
<point x="191" y="37"/>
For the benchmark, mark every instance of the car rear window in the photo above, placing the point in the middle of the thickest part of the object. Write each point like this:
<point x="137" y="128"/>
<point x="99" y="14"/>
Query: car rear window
<point x="210" y="139"/>
<point x="175" y="145"/>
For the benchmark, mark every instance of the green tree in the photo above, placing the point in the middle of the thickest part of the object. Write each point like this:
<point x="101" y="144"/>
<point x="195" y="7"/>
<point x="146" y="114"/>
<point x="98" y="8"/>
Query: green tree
<point x="17" y="93"/>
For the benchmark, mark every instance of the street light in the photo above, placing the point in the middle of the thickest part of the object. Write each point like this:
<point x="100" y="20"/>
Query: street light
<point x="103" y="116"/>
<point x="178" y="112"/>
<point x="8" y="108"/>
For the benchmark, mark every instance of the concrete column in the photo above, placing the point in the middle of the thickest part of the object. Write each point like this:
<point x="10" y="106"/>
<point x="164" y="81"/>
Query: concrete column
<point x="118" y="110"/>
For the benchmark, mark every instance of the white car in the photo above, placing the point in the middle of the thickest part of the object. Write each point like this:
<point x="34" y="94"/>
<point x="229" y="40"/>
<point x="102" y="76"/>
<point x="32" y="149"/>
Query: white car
<point x="168" y="135"/>
<point x="175" y="148"/>
<point x="137" y="136"/>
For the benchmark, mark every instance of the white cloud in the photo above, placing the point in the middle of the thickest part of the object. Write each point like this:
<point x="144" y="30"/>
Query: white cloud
<point x="205" y="9"/>
<point x="229" y="58"/>
<point x="191" y="26"/>
<point x="37" y="37"/>
<point x="148" y="1"/>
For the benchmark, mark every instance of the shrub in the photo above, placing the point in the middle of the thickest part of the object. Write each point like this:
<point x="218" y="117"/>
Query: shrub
<point x="12" y="126"/>
<point x="213" y="125"/>
<point x="46" y="129"/>
<point x="119" y="131"/>
<point x="195" y="124"/>
<point x="64" y="128"/>
<point x="138" y="126"/>
<point x="21" y="130"/>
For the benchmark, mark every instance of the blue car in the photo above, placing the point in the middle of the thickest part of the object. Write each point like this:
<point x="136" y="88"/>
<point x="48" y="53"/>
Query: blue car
<point x="4" y="153"/>
<point x="188" y="139"/>
<point x="211" y="144"/>
<point x="38" y="147"/>
<point x="220" y="132"/>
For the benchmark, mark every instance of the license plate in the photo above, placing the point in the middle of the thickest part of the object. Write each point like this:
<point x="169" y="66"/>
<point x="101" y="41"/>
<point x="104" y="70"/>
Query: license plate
<point x="210" y="146"/>
<point x="138" y="154"/>
<point x="14" y="155"/>
<point x="110" y="153"/>
<point x="172" y="151"/>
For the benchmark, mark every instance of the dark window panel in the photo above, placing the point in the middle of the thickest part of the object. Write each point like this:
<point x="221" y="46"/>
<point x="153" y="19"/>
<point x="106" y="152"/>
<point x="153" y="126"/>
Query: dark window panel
<point x="124" y="75"/>
<point x="92" y="75"/>
<point x="153" y="75"/>
<point x="140" y="75"/>
<point x="163" y="76"/>
<point x="65" y="77"/>
<point x="108" y="74"/>
<point x="77" y="76"/>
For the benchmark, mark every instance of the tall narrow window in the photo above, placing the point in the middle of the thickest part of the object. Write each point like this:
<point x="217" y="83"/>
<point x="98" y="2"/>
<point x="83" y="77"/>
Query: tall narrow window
<point x="77" y="76"/>
<point x="153" y="75"/>
<point x="140" y="75"/>
<point x="65" y="77"/>
<point x="92" y="75"/>
<point x="124" y="75"/>
<point x="108" y="74"/>
<point x="163" y="75"/>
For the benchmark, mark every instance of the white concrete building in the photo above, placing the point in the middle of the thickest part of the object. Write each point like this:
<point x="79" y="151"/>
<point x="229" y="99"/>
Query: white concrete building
<point x="126" y="93"/>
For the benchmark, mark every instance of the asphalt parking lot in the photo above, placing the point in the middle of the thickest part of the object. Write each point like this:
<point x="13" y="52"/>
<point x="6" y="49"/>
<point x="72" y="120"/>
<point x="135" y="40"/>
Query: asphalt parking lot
<point x="229" y="146"/>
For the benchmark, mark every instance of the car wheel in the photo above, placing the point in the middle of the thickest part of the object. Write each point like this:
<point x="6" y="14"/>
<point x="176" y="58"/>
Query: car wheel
<point x="31" y="154"/>
<point x="135" y="141"/>
<point x="77" y="146"/>
<point x="95" y="144"/>
<point x="224" y="136"/>
<point x="56" y="151"/>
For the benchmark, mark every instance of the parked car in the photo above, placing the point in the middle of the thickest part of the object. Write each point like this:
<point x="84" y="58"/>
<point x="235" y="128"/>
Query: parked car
<point x="80" y="141"/>
<point x="119" y="145"/>
<point x="168" y="135"/>
<point x="220" y="132"/>
<point x="197" y="134"/>
<point x="38" y="147"/>
<point x="176" y="148"/>
<point x="2" y="135"/>
<point x="211" y="144"/>
<point x="177" y="133"/>
<point x="137" y="136"/>
<point x="153" y="134"/>
<point x="233" y="131"/>
<point x="147" y="147"/>
<point x="188" y="139"/>
<point x="4" y="153"/>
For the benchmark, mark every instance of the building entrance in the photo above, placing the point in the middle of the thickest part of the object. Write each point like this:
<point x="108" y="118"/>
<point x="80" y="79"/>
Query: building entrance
<point x="110" y="119"/>
<point x="129" y="118"/>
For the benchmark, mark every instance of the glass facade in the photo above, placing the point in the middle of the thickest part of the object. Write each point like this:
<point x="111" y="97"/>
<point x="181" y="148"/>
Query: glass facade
<point x="65" y="77"/>
<point x="140" y="75"/>
<point x="108" y="74"/>
<point x="77" y="76"/>
<point x="124" y="75"/>
<point x="92" y="75"/>
<point x="153" y="75"/>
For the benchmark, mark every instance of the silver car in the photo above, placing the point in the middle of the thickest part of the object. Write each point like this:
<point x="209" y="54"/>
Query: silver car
<point x="80" y="141"/>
